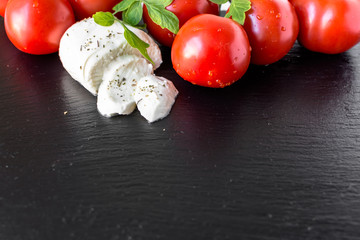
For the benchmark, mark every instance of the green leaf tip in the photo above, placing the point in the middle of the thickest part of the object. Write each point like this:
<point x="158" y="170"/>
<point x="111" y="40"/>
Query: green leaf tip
<point x="237" y="10"/>
<point x="136" y="42"/>
<point x="104" y="18"/>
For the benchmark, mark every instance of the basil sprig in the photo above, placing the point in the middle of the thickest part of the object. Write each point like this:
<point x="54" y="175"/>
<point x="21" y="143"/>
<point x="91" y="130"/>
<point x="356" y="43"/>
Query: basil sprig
<point x="108" y="19"/>
<point x="132" y="11"/>
<point x="237" y="9"/>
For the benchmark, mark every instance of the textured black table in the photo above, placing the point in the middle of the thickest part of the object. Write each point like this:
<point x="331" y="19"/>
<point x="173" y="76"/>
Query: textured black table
<point x="275" y="156"/>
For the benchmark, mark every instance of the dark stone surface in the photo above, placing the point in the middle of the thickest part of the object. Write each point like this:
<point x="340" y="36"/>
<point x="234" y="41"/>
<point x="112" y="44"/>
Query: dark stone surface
<point x="275" y="156"/>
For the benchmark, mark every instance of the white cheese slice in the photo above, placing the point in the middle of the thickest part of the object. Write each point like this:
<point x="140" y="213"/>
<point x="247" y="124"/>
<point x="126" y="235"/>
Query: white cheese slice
<point x="116" y="92"/>
<point x="86" y="48"/>
<point x="154" y="97"/>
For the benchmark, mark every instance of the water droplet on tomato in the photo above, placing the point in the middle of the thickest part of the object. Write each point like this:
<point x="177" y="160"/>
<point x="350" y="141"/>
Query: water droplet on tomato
<point x="174" y="5"/>
<point x="259" y="17"/>
<point x="35" y="4"/>
<point x="210" y="73"/>
<point x="283" y="28"/>
<point x="272" y="11"/>
<point x="278" y="16"/>
<point x="220" y="83"/>
<point x="209" y="83"/>
<point x="219" y="30"/>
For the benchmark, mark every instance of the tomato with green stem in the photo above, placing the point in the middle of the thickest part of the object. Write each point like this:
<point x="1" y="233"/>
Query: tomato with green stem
<point x="326" y="26"/>
<point x="184" y="10"/>
<point x="211" y="51"/>
<point x="36" y="26"/>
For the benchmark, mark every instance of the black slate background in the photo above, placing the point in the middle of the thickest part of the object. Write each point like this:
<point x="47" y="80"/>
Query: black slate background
<point x="275" y="156"/>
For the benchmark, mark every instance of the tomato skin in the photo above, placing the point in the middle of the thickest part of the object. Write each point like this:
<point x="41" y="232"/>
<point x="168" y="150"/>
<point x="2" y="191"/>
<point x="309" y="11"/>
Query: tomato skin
<point x="36" y="26"/>
<point x="2" y="7"/>
<point x="272" y="28"/>
<point x="184" y="10"/>
<point x="211" y="51"/>
<point x="326" y="26"/>
<point x="86" y="8"/>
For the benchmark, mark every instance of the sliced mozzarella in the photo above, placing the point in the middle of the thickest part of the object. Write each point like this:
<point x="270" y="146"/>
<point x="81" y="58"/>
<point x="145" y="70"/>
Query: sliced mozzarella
<point x="154" y="97"/>
<point x="86" y="48"/>
<point x="101" y="59"/>
<point x="116" y="92"/>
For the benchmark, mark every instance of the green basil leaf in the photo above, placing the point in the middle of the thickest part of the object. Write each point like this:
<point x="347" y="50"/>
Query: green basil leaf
<point x="237" y="10"/>
<point x="219" y="1"/>
<point x="141" y="26"/>
<point x="104" y="18"/>
<point x="165" y="2"/>
<point x="136" y="42"/>
<point x="123" y="5"/>
<point x="133" y="14"/>
<point x="162" y="17"/>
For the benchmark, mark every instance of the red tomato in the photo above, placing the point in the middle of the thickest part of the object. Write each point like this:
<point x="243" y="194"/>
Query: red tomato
<point x="2" y="7"/>
<point x="272" y="28"/>
<point x="86" y="8"/>
<point x="211" y="51"/>
<point x="184" y="10"/>
<point x="328" y="26"/>
<point x="36" y="26"/>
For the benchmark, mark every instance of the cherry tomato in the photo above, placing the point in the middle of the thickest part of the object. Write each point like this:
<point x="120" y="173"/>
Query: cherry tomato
<point x="36" y="26"/>
<point x="272" y="28"/>
<point x="328" y="26"/>
<point x="184" y="10"/>
<point x="211" y="51"/>
<point x="2" y="7"/>
<point x="86" y="8"/>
